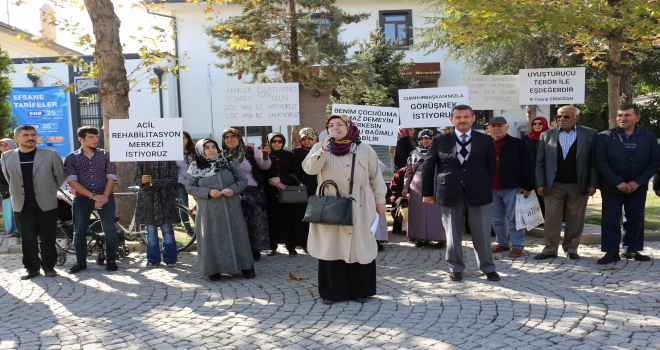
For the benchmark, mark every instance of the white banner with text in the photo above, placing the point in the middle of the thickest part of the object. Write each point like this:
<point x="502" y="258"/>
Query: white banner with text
<point x="492" y="92"/>
<point x="552" y="86"/>
<point x="136" y="140"/>
<point x="431" y="106"/>
<point x="378" y="125"/>
<point x="262" y="104"/>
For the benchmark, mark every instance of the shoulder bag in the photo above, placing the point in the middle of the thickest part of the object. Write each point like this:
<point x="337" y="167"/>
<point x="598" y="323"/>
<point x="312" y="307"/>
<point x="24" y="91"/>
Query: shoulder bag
<point x="294" y="194"/>
<point x="331" y="210"/>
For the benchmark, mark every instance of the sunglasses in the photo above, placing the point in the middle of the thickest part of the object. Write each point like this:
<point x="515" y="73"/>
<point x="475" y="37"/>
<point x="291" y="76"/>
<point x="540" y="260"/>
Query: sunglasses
<point x="564" y="116"/>
<point x="541" y="124"/>
<point x="276" y="141"/>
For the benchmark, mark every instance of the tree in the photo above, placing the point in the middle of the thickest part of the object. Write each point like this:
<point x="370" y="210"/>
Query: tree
<point x="6" y="67"/>
<point x="297" y="40"/>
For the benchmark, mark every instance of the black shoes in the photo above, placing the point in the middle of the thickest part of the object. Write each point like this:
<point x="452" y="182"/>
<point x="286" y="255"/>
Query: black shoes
<point x="455" y="276"/>
<point x="608" y="258"/>
<point x="293" y="253"/>
<point x="544" y="256"/>
<point x="112" y="266"/>
<point x="249" y="274"/>
<point x="215" y="277"/>
<point x="256" y="256"/>
<point x="573" y="256"/>
<point x="380" y="247"/>
<point x="30" y="275"/>
<point x="77" y="268"/>
<point x="328" y="301"/>
<point x="361" y="300"/>
<point x="493" y="276"/>
<point x="635" y="255"/>
<point x="271" y="252"/>
<point x="50" y="273"/>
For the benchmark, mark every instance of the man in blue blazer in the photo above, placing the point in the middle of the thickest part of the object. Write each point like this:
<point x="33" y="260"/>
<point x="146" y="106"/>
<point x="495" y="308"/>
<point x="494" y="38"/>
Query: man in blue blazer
<point x="626" y="157"/>
<point x="465" y="164"/>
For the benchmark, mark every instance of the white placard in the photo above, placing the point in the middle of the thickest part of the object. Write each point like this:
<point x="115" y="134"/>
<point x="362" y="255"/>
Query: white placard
<point x="492" y="92"/>
<point x="552" y="86"/>
<point x="430" y="107"/>
<point x="378" y="125"/>
<point x="262" y="104"/>
<point x="136" y="140"/>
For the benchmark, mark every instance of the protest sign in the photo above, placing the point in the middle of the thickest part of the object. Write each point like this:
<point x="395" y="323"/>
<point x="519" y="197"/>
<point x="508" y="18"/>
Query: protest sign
<point x="552" y="86"/>
<point x="431" y="106"/>
<point x="135" y="140"/>
<point x="262" y="104"/>
<point x="492" y="92"/>
<point x="378" y="125"/>
<point x="47" y="110"/>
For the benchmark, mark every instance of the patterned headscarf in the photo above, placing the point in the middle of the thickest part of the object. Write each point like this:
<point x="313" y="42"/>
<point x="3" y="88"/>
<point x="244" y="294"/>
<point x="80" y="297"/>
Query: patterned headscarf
<point x="308" y="132"/>
<point x="537" y="135"/>
<point x="403" y="132"/>
<point x="343" y="146"/>
<point x="203" y="166"/>
<point x="10" y="143"/>
<point x="237" y="152"/>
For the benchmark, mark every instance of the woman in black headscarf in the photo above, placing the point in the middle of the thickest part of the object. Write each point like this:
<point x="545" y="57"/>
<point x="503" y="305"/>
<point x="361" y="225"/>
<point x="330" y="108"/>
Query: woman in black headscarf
<point x="284" y="220"/>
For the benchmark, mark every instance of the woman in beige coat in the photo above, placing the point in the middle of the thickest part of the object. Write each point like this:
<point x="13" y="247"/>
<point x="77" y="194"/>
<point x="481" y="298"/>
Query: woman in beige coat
<point x="347" y="266"/>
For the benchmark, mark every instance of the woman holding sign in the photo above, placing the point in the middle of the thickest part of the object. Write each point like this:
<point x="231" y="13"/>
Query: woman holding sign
<point x="347" y="265"/>
<point x="223" y="245"/>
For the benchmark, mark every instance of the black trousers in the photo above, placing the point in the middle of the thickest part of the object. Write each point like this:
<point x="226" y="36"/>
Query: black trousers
<point x="339" y="280"/>
<point x="36" y="225"/>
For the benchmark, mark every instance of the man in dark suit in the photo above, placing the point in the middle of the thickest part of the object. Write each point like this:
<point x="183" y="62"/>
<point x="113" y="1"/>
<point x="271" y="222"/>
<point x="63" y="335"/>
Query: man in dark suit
<point x="565" y="175"/>
<point x="626" y="157"/>
<point x="656" y="183"/>
<point x="465" y="164"/>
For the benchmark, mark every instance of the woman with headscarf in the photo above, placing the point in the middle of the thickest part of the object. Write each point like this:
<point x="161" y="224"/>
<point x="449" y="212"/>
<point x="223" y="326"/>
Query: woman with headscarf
<point x="284" y="220"/>
<point x="424" y="221"/>
<point x="347" y="265"/>
<point x="183" y="165"/>
<point x="539" y="125"/>
<point x="11" y="230"/>
<point x="223" y="245"/>
<point x="405" y="144"/>
<point x="250" y="160"/>
<point x="308" y="138"/>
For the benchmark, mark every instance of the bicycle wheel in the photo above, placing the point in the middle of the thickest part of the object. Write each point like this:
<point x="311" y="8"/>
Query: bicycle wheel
<point x="184" y="238"/>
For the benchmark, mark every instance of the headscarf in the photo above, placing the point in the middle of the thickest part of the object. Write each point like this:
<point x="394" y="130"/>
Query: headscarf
<point x="419" y="154"/>
<point x="270" y="136"/>
<point x="403" y="132"/>
<point x="343" y="146"/>
<point x="425" y="133"/>
<point x="10" y="143"/>
<point x="204" y="167"/>
<point x="238" y="152"/>
<point x="537" y="135"/>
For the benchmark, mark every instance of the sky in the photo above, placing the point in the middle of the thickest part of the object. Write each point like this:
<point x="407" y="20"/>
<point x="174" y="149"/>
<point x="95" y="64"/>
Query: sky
<point x="26" y="17"/>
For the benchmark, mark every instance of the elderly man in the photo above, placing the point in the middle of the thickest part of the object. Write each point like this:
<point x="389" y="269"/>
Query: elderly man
<point x="626" y="158"/>
<point x="465" y="164"/>
<point x="565" y="175"/>
<point x="513" y="175"/>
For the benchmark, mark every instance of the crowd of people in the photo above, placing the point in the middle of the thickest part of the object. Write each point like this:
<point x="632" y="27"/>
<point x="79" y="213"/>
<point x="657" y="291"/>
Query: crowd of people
<point x="457" y="181"/>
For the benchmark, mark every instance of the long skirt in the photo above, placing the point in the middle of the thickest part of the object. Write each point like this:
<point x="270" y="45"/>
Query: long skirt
<point x="339" y="280"/>
<point x="257" y="225"/>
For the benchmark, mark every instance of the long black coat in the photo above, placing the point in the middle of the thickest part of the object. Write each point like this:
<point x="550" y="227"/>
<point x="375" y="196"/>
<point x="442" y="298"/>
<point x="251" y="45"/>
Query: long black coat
<point x="157" y="204"/>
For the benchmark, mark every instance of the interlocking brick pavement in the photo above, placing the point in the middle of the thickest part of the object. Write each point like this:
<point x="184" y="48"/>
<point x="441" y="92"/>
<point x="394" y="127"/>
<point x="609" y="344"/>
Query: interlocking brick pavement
<point x="557" y="304"/>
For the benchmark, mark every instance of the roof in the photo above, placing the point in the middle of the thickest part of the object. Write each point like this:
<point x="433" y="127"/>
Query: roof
<point x="6" y="28"/>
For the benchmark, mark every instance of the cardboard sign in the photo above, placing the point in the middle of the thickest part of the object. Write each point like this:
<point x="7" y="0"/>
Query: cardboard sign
<point x="135" y="140"/>
<point x="430" y="107"/>
<point x="492" y="92"/>
<point x="552" y="86"/>
<point x="262" y="104"/>
<point x="378" y="125"/>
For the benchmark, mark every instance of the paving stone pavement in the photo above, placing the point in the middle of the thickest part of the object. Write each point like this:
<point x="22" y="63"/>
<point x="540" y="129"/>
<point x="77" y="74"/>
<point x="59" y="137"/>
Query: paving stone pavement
<point x="555" y="304"/>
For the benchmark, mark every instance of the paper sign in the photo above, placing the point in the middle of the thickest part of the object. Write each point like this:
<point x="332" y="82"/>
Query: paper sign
<point x="492" y="92"/>
<point x="430" y="107"/>
<point x="135" y="140"/>
<point x="378" y="125"/>
<point x="262" y="104"/>
<point x="552" y="86"/>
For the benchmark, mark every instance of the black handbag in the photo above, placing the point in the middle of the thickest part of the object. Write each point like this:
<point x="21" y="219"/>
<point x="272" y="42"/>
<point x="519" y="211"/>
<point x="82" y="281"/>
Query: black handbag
<point x="294" y="194"/>
<point x="257" y="194"/>
<point x="331" y="210"/>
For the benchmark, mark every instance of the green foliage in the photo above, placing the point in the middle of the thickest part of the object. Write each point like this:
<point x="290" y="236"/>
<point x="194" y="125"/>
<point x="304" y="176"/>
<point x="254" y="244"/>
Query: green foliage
<point x="651" y="115"/>
<point x="6" y="67"/>
<point x="315" y="59"/>
<point x="376" y="75"/>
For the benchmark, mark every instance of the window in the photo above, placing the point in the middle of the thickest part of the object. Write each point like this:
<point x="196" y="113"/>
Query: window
<point x="324" y="23"/>
<point x="397" y="26"/>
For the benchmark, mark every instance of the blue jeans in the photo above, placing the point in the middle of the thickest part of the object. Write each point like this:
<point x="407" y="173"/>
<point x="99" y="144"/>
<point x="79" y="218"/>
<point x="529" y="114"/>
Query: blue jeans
<point x="504" y="218"/>
<point x="169" y="244"/>
<point x="182" y="196"/>
<point x="82" y="208"/>
<point x="8" y="217"/>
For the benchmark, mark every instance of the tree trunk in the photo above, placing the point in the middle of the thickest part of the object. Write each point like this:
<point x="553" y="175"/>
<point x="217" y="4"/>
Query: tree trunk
<point x="626" y="79"/>
<point x="530" y="110"/>
<point x="613" y="68"/>
<point x="113" y="87"/>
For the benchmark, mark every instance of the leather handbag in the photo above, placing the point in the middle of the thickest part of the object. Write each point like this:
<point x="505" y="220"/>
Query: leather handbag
<point x="257" y="194"/>
<point x="294" y="194"/>
<point x="331" y="210"/>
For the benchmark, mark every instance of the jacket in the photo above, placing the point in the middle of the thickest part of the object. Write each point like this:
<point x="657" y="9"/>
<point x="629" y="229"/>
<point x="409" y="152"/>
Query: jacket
<point x="516" y="169"/>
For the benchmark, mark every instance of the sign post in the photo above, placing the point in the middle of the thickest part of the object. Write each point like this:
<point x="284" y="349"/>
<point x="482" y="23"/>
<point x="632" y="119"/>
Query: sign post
<point x="552" y="86"/>
<point x="431" y="106"/>
<point x="136" y="140"/>
<point x="492" y="92"/>
<point x="378" y="125"/>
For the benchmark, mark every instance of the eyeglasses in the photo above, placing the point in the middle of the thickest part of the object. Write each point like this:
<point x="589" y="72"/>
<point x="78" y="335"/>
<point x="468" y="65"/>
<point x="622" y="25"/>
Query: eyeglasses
<point x="339" y="125"/>
<point x="564" y="116"/>
<point x="276" y="141"/>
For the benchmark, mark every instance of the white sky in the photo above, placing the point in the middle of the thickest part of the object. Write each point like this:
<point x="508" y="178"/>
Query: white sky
<point x="26" y="17"/>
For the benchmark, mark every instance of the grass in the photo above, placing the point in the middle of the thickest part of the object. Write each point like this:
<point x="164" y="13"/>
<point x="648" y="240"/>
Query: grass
<point x="652" y="215"/>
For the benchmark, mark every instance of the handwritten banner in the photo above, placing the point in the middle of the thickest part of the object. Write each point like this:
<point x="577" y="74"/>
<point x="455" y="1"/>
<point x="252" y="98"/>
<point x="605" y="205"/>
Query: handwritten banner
<point x="135" y="140"/>
<point x="262" y="104"/>
<point x="491" y="92"/>
<point x="552" y="86"/>
<point x="430" y="107"/>
<point x="378" y="125"/>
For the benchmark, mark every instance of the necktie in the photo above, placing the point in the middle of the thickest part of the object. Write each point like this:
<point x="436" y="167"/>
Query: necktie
<point x="463" y="138"/>
<point x="463" y="152"/>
